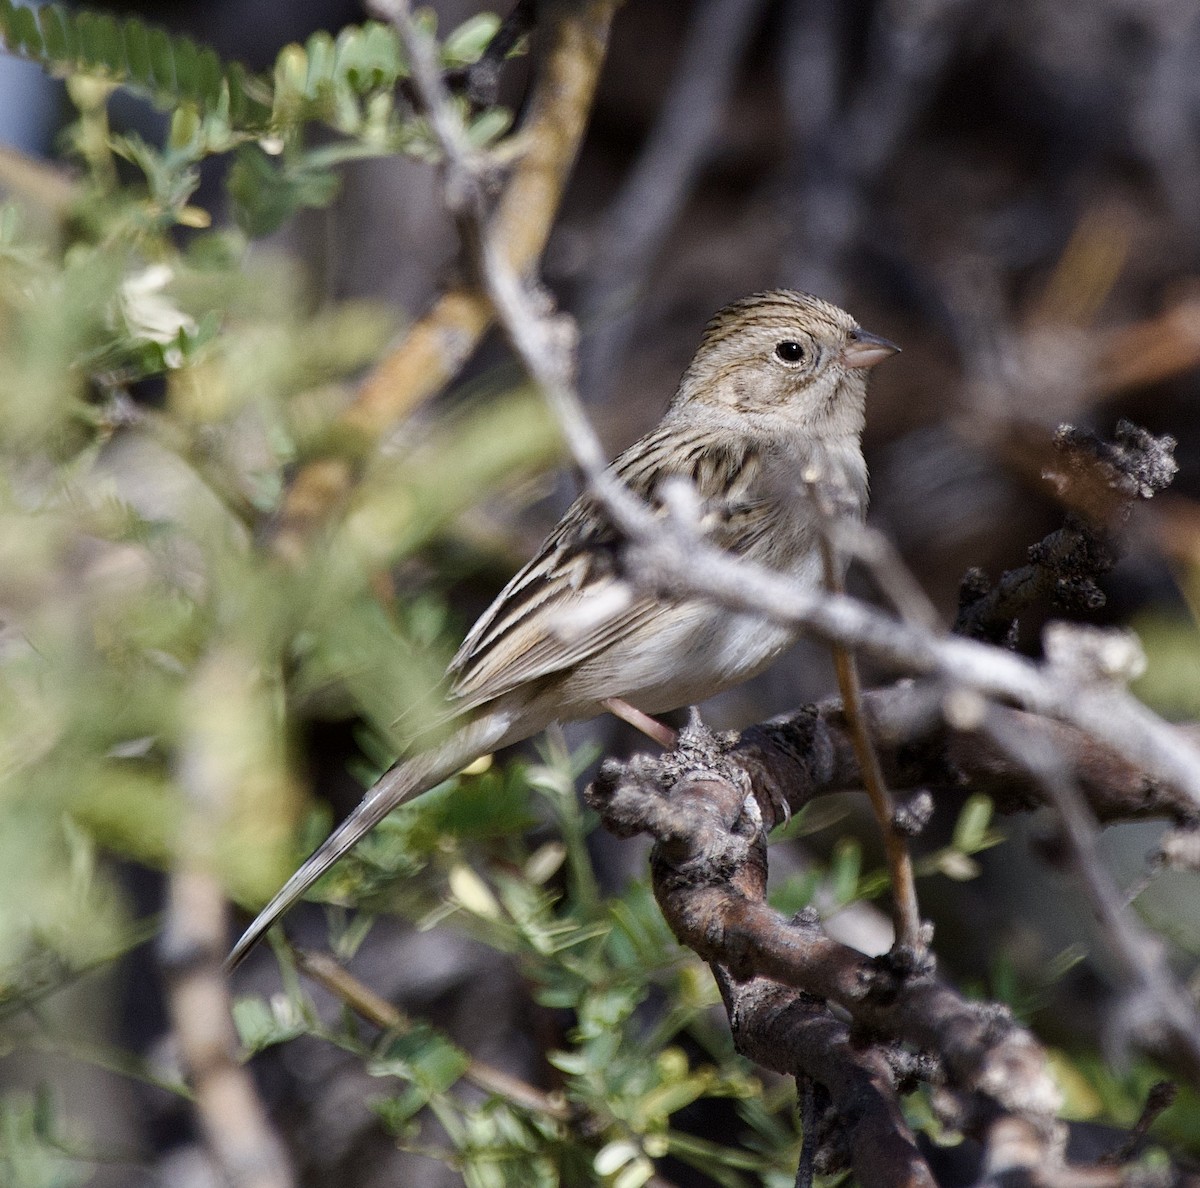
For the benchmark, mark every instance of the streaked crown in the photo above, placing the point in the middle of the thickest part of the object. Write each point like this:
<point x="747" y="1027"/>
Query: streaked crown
<point x="776" y="309"/>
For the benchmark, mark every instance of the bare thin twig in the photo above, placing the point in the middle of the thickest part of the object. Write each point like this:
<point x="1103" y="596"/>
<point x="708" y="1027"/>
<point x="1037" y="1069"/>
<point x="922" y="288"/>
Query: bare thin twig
<point x="1161" y="1097"/>
<point x="544" y="342"/>
<point x="899" y="860"/>
<point x="906" y="911"/>
<point x="893" y="579"/>
<point x="1161" y="1014"/>
<point x="437" y="345"/>
<point x="363" y="1001"/>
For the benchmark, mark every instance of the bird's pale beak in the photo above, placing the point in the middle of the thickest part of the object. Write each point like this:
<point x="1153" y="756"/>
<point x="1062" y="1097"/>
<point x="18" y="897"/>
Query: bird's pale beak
<point x="865" y="349"/>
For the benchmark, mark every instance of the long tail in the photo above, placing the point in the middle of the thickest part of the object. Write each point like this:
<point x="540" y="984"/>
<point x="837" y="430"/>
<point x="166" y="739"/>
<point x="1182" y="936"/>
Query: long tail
<point x="401" y="783"/>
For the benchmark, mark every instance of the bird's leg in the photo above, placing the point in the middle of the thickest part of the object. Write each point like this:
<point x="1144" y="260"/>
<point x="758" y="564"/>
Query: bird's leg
<point x="650" y="727"/>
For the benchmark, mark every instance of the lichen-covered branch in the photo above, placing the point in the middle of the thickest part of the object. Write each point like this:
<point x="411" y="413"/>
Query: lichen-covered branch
<point x="709" y="871"/>
<point x="1101" y="481"/>
<point x="797" y="1035"/>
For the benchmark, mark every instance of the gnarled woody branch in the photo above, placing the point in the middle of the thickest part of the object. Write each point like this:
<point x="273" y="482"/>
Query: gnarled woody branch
<point x="797" y="1035"/>
<point x="709" y="871"/>
<point x="709" y="807"/>
<point x="810" y="752"/>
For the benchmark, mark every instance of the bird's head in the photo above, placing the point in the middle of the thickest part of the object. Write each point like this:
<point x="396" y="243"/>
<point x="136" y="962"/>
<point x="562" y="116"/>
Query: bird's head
<point x="784" y="358"/>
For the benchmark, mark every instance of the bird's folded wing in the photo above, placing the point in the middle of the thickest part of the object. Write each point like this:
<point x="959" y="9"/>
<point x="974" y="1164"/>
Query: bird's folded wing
<point x="562" y="608"/>
<point x="571" y="601"/>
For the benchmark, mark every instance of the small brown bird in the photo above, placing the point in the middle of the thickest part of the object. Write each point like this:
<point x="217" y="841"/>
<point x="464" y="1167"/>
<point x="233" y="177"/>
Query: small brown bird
<point x="776" y="388"/>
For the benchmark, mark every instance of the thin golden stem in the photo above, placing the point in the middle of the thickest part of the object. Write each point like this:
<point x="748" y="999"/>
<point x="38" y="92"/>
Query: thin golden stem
<point x="364" y="1002"/>
<point x="438" y="344"/>
<point x="905" y="909"/>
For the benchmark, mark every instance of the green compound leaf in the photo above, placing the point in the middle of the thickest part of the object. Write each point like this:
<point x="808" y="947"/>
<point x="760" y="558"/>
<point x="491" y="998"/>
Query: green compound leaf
<point x="321" y="79"/>
<point x="130" y="53"/>
<point x="267" y="192"/>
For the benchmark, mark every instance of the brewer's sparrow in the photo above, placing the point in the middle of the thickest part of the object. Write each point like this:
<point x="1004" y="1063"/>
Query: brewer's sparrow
<point x="776" y="389"/>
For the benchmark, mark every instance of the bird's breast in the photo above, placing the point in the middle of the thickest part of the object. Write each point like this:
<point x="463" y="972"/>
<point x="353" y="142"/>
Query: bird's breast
<point x="684" y="655"/>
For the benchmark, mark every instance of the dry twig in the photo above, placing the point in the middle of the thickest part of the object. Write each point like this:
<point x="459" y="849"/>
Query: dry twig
<point x="709" y="871"/>
<point x="191" y="950"/>
<point x="906" y="911"/>
<point x="365" y="1003"/>
<point x="435" y="348"/>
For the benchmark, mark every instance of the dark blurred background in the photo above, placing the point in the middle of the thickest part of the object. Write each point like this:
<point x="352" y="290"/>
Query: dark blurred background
<point x="1010" y="189"/>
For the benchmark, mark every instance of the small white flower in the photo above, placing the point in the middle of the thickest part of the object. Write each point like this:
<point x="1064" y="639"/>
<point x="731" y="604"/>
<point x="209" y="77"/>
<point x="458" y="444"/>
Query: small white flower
<point x="151" y="317"/>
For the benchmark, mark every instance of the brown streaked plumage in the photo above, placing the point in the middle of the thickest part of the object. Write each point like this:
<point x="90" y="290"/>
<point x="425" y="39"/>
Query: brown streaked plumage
<point x="776" y="388"/>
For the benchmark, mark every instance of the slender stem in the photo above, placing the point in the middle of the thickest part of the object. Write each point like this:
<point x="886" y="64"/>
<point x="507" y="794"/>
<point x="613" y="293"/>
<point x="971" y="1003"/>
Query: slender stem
<point x="899" y="860"/>
<point x="1153" y="989"/>
<point x="368" y="1005"/>
<point x="906" y="911"/>
<point x="437" y="345"/>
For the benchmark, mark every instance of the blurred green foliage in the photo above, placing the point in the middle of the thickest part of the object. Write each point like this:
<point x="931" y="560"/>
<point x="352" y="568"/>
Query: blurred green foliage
<point x="158" y="380"/>
<point x="33" y="1154"/>
<point x="460" y="857"/>
<point x="1172" y="646"/>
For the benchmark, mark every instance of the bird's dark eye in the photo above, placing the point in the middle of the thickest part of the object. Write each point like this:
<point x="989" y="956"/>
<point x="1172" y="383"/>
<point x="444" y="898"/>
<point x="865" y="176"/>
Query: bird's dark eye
<point x="789" y="351"/>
